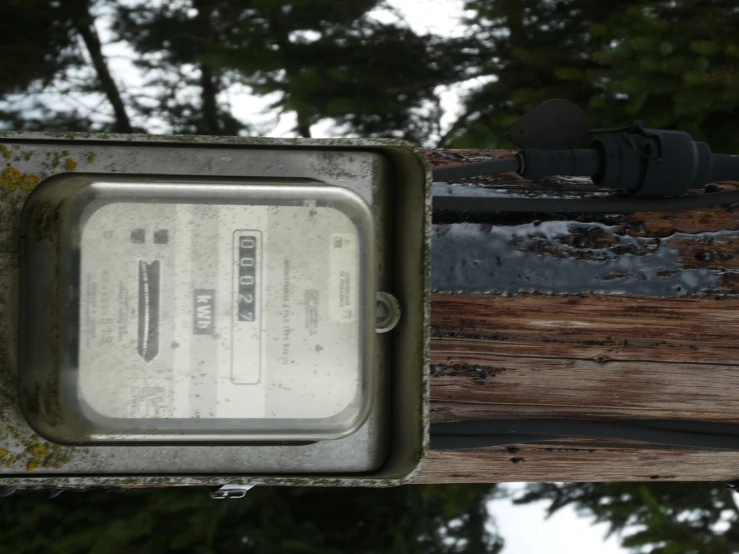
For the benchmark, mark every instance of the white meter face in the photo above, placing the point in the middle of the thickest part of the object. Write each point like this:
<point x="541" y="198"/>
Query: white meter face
<point x="193" y="311"/>
<point x="233" y="311"/>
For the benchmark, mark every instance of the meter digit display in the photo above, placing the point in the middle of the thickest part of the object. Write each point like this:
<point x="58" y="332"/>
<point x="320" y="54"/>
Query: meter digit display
<point x="247" y="248"/>
<point x="246" y="338"/>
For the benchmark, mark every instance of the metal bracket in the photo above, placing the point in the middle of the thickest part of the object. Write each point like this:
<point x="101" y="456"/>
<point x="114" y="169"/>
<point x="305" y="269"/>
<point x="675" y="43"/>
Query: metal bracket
<point x="231" y="491"/>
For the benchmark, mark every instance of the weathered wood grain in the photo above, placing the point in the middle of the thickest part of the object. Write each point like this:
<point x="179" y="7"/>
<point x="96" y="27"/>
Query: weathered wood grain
<point x="578" y="461"/>
<point x="592" y="355"/>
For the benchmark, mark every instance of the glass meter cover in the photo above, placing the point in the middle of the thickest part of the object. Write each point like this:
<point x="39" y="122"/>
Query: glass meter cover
<point x="209" y="311"/>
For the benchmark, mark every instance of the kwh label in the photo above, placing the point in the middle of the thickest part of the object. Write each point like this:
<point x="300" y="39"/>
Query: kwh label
<point x="204" y="308"/>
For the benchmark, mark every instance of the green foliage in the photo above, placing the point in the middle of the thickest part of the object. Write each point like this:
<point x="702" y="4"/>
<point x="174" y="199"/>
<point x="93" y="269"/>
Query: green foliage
<point x="669" y="63"/>
<point x="36" y="37"/>
<point x="322" y="58"/>
<point x="540" y="50"/>
<point x="405" y="520"/>
<point x="688" y="82"/>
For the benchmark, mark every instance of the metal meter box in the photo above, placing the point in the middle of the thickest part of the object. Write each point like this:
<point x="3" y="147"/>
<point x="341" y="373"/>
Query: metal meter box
<point x="212" y="311"/>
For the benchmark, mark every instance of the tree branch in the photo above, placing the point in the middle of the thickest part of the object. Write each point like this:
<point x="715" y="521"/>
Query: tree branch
<point x="86" y="28"/>
<point x="209" y="91"/>
<point x="209" y="81"/>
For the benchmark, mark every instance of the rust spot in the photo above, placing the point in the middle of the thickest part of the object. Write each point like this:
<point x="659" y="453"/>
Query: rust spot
<point x="687" y="221"/>
<point x="730" y="282"/>
<point x="614" y="276"/>
<point x="719" y="253"/>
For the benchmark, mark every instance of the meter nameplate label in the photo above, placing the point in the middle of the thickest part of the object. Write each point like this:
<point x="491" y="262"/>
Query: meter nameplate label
<point x="149" y="398"/>
<point x="343" y="275"/>
<point x="219" y="311"/>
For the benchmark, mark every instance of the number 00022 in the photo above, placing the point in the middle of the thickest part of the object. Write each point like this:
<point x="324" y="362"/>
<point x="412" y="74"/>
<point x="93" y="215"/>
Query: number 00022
<point x="248" y="258"/>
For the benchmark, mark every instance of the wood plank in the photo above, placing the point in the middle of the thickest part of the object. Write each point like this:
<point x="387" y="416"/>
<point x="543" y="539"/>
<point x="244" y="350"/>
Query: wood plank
<point x="578" y="461"/>
<point x="651" y="333"/>
<point x="597" y="356"/>
<point x="600" y="328"/>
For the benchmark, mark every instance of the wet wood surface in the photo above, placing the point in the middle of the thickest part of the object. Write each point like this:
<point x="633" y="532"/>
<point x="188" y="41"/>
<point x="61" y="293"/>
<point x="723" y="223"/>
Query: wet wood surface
<point x="642" y="322"/>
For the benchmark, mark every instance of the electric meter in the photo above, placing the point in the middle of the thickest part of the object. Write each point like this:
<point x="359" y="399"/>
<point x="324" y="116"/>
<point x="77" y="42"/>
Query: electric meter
<point x="247" y="308"/>
<point x="203" y="310"/>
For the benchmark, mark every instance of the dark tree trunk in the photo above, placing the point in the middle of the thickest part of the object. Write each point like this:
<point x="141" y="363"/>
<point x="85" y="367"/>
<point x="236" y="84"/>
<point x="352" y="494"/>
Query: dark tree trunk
<point x="303" y="126"/>
<point x="209" y="80"/>
<point x="209" y="90"/>
<point x="476" y="529"/>
<point x="86" y="29"/>
<point x="282" y="31"/>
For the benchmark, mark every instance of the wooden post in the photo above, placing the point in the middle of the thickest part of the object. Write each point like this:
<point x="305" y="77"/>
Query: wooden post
<point x="621" y="316"/>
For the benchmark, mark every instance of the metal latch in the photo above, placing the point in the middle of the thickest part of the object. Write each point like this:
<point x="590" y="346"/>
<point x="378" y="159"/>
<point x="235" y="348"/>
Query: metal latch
<point x="231" y="491"/>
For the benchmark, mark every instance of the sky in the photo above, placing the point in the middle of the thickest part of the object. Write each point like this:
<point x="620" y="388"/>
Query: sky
<point x="527" y="530"/>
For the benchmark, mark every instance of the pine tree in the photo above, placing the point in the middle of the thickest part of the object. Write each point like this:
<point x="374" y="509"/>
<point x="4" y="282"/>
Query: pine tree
<point x="669" y="63"/>
<point x="673" y="65"/>
<point x="52" y="53"/>
<point x="320" y="58"/>
<point x="533" y="50"/>
<point x="403" y="520"/>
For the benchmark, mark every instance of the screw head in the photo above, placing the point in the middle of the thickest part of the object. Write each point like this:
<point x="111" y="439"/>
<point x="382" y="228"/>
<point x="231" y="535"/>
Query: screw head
<point x="387" y="312"/>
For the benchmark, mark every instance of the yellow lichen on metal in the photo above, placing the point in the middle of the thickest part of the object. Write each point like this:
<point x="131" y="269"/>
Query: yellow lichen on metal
<point x="70" y="164"/>
<point x="7" y="458"/>
<point x="6" y="152"/>
<point x="29" y="182"/>
<point x="28" y="155"/>
<point x="46" y="456"/>
<point x="91" y="159"/>
<point x="11" y="179"/>
<point x="36" y="453"/>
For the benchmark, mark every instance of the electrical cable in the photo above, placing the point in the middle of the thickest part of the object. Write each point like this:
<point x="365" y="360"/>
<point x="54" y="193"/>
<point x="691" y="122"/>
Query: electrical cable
<point x="468" y="206"/>
<point x="685" y="434"/>
<point x="612" y="130"/>
<point x="651" y="170"/>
